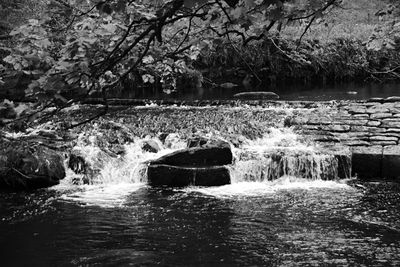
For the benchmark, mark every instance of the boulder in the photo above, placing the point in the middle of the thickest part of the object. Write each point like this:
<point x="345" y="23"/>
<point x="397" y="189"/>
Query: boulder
<point x="15" y="83"/>
<point x="172" y="140"/>
<point x="88" y="163"/>
<point x="7" y="110"/>
<point x="78" y="164"/>
<point x="200" y="141"/>
<point x="201" y="164"/>
<point x="197" y="157"/>
<point x="150" y="146"/>
<point x="24" y="166"/>
<point x="257" y="95"/>
<point x="167" y="175"/>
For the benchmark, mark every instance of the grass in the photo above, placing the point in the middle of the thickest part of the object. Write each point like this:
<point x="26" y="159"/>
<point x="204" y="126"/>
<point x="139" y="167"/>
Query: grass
<point x="354" y="20"/>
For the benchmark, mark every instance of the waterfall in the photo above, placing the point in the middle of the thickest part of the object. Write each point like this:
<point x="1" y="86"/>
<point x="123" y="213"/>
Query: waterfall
<point x="279" y="160"/>
<point x="130" y="167"/>
<point x="279" y="153"/>
<point x="282" y="153"/>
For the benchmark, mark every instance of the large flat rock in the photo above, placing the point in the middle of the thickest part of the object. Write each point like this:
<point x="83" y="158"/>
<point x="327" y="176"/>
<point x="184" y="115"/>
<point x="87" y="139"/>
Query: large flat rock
<point x="197" y="157"/>
<point x="24" y="166"/>
<point x="174" y="176"/>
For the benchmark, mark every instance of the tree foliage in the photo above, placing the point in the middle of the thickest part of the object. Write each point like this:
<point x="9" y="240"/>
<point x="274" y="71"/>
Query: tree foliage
<point x="78" y="48"/>
<point x="387" y="36"/>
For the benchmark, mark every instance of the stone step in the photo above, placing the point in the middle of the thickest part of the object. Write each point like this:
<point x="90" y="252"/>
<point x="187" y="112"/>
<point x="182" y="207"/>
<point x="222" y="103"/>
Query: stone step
<point x="175" y="176"/>
<point x="197" y="157"/>
<point x="376" y="162"/>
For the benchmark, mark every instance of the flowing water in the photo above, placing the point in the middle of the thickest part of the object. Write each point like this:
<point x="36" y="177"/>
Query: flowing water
<point x="291" y="217"/>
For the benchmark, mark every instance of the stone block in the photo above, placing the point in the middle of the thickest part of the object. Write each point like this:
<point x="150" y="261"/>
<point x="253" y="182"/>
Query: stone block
<point x="374" y="123"/>
<point x="361" y="116"/>
<point x="383" y="138"/>
<point x="391" y="123"/>
<point x="367" y="162"/>
<point x="391" y="162"/>
<point x="355" y="143"/>
<point x="166" y="175"/>
<point x="326" y="138"/>
<point x="381" y="115"/>
<point x="336" y="128"/>
<point x="392" y="99"/>
<point x="311" y="127"/>
<point x="374" y="110"/>
<point x="357" y="110"/>
<point x="393" y="130"/>
<point x="376" y="99"/>
<point x="351" y="122"/>
<point x="383" y="143"/>
<point x="366" y="129"/>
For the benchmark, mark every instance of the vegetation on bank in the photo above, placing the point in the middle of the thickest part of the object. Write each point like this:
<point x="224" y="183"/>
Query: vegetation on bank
<point x="358" y="41"/>
<point x="277" y="60"/>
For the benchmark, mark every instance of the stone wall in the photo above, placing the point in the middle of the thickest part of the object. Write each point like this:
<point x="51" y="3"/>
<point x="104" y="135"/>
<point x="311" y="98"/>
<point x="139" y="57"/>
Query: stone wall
<point x="370" y="128"/>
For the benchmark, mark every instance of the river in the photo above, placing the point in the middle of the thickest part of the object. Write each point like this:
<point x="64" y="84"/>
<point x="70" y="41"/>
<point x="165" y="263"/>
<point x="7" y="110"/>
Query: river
<point x="287" y="222"/>
<point x="119" y="220"/>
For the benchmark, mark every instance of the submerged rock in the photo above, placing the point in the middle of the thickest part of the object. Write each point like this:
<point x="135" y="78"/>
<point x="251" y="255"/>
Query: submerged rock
<point x="257" y="95"/>
<point x="167" y="175"/>
<point x="25" y="167"/>
<point x="87" y="162"/>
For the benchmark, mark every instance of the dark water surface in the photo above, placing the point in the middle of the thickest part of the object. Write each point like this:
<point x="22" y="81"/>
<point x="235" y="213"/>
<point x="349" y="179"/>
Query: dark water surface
<point x="341" y="91"/>
<point x="250" y="224"/>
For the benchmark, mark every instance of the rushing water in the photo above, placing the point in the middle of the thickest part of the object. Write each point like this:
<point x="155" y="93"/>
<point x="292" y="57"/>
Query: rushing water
<point x="289" y="221"/>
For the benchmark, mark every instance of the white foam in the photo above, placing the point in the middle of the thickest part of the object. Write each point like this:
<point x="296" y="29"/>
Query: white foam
<point x="278" y="138"/>
<point x="252" y="189"/>
<point x="105" y="195"/>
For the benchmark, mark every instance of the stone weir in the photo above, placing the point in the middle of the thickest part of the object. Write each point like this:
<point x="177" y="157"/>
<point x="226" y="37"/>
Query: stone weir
<point x="359" y="135"/>
<point x="370" y="128"/>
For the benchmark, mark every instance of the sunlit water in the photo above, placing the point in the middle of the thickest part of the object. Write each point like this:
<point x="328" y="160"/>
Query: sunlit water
<point x="119" y="220"/>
